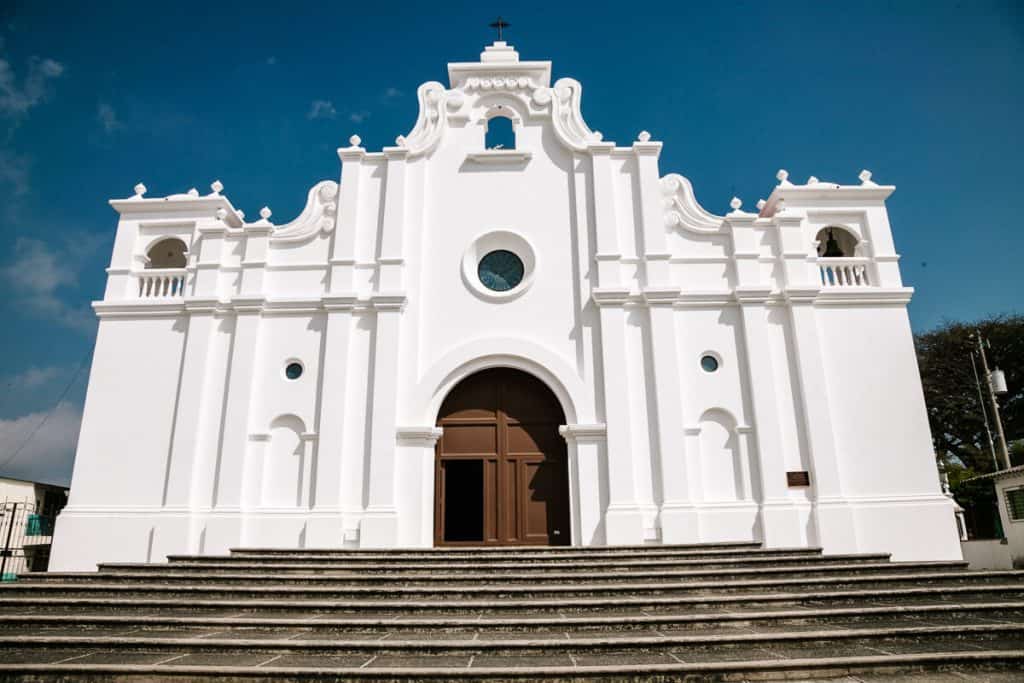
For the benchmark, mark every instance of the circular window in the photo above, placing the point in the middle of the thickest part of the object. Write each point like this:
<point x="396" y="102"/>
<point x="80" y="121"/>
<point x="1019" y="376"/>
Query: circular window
<point x="709" y="363"/>
<point x="293" y="370"/>
<point x="500" y="270"/>
<point x="499" y="266"/>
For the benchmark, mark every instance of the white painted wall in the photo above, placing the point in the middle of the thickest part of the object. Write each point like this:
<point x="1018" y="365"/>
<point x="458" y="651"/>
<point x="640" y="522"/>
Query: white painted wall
<point x="193" y="439"/>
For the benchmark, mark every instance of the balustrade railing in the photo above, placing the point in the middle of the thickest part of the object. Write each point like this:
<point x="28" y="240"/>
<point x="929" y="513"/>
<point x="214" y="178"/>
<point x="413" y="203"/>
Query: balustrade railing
<point x="844" y="272"/>
<point x="162" y="283"/>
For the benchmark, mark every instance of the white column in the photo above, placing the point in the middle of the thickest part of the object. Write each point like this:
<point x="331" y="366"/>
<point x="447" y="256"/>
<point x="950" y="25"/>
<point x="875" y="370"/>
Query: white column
<point x="379" y="528"/>
<point x="235" y="436"/>
<point x="780" y="519"/>
<point x="325" y="527"/>
<point x="415" y="469"/>
<point x="588" y="492"/>
<point x="180" y="465"/>
<point x="623" y="518"/>
<point x="678" y="514"/>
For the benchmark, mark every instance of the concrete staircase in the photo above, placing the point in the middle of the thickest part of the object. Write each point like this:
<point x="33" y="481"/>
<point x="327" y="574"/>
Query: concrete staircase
<point x="653" y="613"/>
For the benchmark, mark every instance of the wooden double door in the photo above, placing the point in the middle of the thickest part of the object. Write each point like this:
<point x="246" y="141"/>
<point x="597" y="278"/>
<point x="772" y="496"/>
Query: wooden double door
<point x="501" y="475"/>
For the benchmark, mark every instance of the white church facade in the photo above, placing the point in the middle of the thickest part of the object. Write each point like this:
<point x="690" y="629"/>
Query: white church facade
<point x="543" y="343"/>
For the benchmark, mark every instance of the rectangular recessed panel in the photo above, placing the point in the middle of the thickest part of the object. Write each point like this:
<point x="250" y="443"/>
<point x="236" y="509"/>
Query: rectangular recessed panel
<point x="533" y="438"/>
<point x="463" y="500"/>
<point x="541" y="481"/>
<point x="475" y="439"/>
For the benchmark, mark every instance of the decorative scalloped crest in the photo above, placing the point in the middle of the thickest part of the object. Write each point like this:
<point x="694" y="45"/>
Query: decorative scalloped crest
<point x="318" y="217"/>
<point x="682" y="209"/>
<point x="566" y="116"/>
<point x="430" y="123"/>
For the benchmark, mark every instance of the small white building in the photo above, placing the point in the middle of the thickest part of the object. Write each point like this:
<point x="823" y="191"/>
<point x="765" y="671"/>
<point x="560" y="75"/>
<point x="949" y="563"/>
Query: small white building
<point x="546" y="342"/>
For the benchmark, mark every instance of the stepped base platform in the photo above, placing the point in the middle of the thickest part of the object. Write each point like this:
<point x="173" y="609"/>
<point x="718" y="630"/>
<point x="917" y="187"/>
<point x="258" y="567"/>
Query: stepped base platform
<point x="651" y="613"/>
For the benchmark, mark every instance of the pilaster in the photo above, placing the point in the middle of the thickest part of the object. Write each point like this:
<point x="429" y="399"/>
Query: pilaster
<point x="588" y="490"/>
<point x="652" y="214"/>
<point x="241" y="370"/>
<point x="379" y="527"/>
<point x="343" y="244"/>
<point x="325" y="529"/>
<point x="181" y="464"/>
<point x="415" y="468"/>
<point x="623" y="519"/>
<point x="678" y="516"/>
<point x="391" y="260"/>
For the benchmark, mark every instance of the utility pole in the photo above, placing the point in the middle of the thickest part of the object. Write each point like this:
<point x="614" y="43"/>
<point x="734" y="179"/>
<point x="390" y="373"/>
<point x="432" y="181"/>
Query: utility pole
<point x="995" y="404"/>
<point x="984" y="413"/>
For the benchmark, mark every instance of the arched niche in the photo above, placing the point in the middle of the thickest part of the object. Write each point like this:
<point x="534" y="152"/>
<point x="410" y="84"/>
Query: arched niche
<point x="725" y="477"/>
<point x="287" y="465"/>
<point x="169" y="252"/>
<point x="836" y="242"/>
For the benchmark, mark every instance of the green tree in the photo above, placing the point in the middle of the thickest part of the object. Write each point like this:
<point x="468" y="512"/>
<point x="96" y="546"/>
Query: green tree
<point x="956" y="414"/>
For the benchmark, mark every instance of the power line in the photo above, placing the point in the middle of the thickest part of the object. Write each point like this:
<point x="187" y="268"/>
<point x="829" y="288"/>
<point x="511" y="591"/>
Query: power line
<point x="21" y="447"/>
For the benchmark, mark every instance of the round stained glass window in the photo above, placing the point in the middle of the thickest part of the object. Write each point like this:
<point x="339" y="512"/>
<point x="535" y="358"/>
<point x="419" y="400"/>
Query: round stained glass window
<point x="500" y="270"/>
<point x="709" y="363"/>
<point x="293" y="370"/>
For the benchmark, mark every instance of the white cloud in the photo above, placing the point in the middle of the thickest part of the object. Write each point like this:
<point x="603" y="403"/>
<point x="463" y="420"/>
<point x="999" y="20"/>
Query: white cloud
<point x="322" y="109"/>
<point x="14" y="171"/>
<point x="49" y="455"/>
<point x="39" y="270"/>
<point x="31" y="378"/>
<point x="107" y="117"/>
<point x="16" y="99"/>
<point x="358" y="116"/>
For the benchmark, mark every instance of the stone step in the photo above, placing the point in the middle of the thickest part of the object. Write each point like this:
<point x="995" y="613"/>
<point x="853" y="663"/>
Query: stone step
<point x="495" y="556"/>
<point x="232" y="564"/>
<point x="891" y="639"/>
<point x="616" y="603"/>
<point x="646" y="550"/>
<point x="92" y="667"/>
<point x="261" y="575"/>
<point x="456" y="593"/>
<point x="689" y="619"/>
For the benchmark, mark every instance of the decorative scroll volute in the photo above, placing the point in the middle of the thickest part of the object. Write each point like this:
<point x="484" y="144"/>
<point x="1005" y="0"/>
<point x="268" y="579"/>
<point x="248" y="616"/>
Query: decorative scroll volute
<point x="318" y="217"/>
<point x="683" y="211"/>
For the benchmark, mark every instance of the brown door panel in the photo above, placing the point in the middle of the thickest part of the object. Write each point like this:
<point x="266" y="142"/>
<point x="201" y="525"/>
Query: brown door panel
<point x="502" y="426"/>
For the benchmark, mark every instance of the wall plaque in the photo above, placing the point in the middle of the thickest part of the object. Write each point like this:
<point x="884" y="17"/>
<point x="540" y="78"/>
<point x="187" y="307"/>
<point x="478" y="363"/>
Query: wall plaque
<point x="801" y="478"/>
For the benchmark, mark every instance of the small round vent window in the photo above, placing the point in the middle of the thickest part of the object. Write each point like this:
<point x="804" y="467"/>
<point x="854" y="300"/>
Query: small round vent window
<point x="293" y="370"/>
<point x="709" y="363"/>
<point x="500" y="270"/>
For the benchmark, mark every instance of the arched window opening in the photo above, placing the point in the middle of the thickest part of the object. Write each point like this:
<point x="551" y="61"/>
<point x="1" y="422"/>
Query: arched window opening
<point x="501" y="133"/>
<point x="836" y="242"/>
<point x="167" y="253"/>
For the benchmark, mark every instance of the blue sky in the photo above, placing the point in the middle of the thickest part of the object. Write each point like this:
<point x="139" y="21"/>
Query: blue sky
<point x="95" y="97"/>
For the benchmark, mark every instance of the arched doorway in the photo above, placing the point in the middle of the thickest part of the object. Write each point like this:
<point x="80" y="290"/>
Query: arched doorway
<point x="501" y="475"/>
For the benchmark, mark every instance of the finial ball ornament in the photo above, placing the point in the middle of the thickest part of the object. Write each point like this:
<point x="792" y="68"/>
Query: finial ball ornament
<point x="644" y="136"/>
<point x="217" y="186"/>
<point x="782" y="175"/>
<point x="265" y="213"/>
<point x="140" y="189"/>
<point x="761" y="204"/>
<point x="735" y="203"/>
<point x="865" y="175"/>
<point x="355" y="141"/>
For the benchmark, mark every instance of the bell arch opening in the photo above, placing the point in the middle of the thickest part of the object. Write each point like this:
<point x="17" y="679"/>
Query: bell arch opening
<point x="501" y="467"/>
